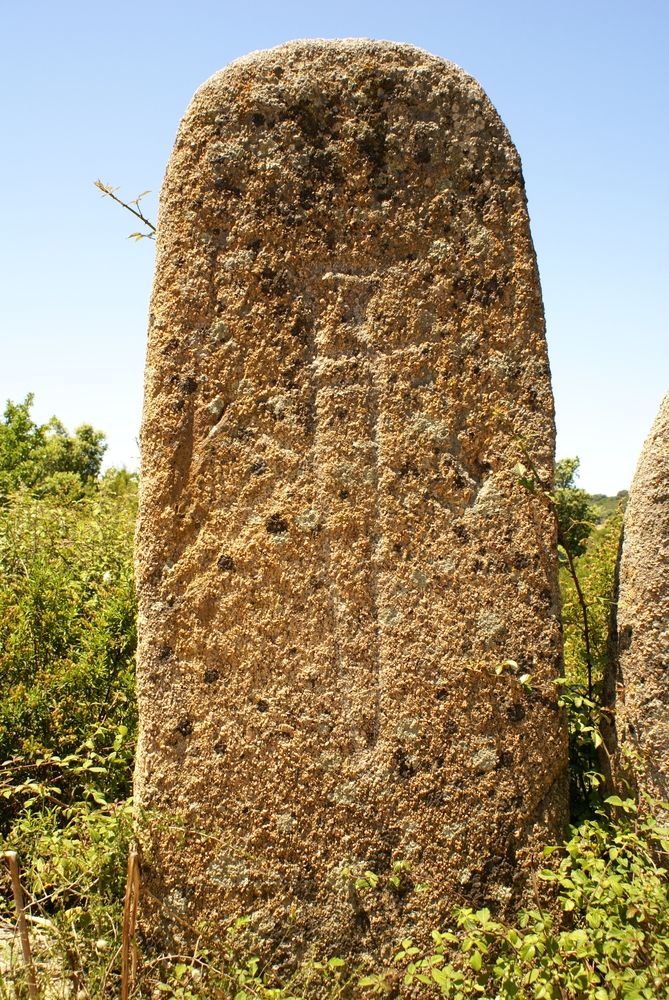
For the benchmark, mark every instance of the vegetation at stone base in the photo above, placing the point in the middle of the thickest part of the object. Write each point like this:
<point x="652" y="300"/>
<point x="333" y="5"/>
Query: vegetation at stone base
<point x="612" y="940"/>
<point x="67" y="730"/>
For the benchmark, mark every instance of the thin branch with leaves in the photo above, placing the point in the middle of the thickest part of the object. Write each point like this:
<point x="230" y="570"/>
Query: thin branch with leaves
<point x="109" y="192"/>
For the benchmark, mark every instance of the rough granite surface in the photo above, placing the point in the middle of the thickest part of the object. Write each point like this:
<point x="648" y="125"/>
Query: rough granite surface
<point x="639" y="685"/>
<point x="334" y="554"/>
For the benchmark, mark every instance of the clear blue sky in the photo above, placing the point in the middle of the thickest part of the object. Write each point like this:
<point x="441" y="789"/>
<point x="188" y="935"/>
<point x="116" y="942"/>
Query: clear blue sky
<point x="92" y="90"/>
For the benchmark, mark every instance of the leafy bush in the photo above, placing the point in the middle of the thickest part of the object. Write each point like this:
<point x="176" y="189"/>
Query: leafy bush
<point x="581" y="689"/>
<point x="596" y="570"/>
<point x="575" y="513"/>
<point x="67" y="630"/>
<point x="44" y="457"/>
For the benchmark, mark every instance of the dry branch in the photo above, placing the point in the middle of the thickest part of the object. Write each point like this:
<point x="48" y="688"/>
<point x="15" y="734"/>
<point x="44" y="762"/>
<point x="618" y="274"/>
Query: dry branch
<point x="12" y="860"/>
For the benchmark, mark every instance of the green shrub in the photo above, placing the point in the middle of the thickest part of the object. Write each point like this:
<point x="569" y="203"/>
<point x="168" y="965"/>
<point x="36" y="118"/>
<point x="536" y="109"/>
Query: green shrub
<point x="67" y="711"/>
<point x="596" y="570"/>
<point x="67" y="634"/>
<point x="44" y="457"/>
<point x="576" y="515"/>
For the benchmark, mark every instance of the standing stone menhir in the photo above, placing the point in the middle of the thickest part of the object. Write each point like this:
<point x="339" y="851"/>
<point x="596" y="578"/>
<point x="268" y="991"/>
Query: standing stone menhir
<point x="346" y="345"/>
<point x="638" y="681"/>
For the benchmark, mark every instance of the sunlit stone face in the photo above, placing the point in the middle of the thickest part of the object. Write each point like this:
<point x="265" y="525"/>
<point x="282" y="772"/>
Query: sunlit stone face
<point x="346" y="361"/>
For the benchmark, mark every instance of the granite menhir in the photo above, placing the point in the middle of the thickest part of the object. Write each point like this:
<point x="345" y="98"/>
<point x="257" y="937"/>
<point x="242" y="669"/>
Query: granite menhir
<point x="638" y="676"/>
<point x="346" y="361"/>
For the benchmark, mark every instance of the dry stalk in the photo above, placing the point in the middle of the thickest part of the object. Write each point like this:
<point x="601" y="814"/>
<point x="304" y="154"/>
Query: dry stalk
<point x="128" y="945"/>
<point x="12" y="860"/>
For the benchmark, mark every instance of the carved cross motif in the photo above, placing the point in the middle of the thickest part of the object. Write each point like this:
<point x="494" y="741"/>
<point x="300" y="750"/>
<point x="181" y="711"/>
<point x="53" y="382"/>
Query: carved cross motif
<point x="348" y="458"/>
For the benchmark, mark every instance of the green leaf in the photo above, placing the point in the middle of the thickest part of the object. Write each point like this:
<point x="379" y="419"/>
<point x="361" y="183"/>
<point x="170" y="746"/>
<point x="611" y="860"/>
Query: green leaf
<point x="614" y="800"/>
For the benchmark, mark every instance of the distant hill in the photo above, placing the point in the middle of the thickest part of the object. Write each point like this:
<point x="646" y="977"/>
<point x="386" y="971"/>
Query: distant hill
<point x="606" y="506"/>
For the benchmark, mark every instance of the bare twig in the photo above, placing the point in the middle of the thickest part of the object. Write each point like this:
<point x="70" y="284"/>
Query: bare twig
<point x="12" y="860"/>
<point x="109" y="192"/>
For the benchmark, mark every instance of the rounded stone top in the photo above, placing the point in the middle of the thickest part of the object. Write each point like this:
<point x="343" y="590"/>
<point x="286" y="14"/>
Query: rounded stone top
<point x="308" y="57"/>
<point x="336" y="49"/>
